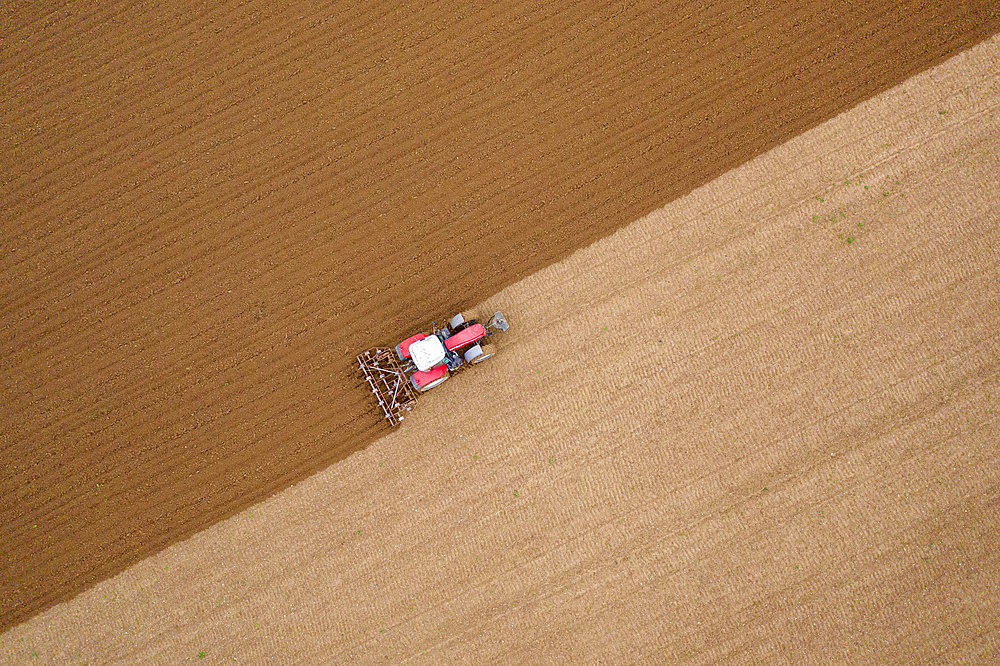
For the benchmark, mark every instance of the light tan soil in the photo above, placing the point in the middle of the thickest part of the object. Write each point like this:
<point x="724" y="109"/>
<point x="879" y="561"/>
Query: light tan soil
<point x="759" y="424"/>
<point x="209" y="208"/>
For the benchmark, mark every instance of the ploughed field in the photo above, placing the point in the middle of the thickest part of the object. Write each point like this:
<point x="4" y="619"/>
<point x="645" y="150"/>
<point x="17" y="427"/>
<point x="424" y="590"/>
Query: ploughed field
<point x="757" y="425"/>
<point x="208" y="211"/>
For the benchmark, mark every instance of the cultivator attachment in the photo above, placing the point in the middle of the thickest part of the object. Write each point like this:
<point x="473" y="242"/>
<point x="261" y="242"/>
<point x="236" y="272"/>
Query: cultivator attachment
<point x="388" y="382"/>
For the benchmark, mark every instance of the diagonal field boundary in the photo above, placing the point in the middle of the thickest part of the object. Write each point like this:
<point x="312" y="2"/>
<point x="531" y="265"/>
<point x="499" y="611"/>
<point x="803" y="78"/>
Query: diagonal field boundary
<point x="209" y="208"/>
<point x="759" y="424"/>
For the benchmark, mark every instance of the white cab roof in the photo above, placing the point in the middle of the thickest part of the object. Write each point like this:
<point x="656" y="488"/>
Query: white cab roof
<point x="427" y="353"/>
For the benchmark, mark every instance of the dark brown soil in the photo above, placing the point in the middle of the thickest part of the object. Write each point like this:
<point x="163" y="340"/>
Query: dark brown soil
<point x="208" y="212"/>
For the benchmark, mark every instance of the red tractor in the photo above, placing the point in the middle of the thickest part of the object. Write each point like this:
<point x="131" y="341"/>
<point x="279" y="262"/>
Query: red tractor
<point x="425" y="360"/>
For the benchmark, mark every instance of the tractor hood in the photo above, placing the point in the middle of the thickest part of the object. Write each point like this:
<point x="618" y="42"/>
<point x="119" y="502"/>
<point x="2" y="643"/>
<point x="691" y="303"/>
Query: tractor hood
<point x="427" y="352"/>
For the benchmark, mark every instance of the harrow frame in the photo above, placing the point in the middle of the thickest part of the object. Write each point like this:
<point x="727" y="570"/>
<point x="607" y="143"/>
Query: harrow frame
<point x="388" y="382"/>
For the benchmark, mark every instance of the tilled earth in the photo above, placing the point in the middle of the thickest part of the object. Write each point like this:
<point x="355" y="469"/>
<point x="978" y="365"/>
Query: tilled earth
<point x="757" y="425"/>
<point x="209" y="210"/>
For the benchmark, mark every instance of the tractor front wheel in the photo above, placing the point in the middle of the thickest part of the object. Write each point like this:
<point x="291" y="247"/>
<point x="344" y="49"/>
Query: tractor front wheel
<point x="488" y="351"/>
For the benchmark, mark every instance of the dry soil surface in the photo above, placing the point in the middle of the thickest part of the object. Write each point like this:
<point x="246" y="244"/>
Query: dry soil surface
<point x="210" y="208"/>
<point x="759" y="424"/>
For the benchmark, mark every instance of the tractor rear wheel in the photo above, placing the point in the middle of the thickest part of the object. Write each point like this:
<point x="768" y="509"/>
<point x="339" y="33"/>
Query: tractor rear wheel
<point x="428" y="387"/>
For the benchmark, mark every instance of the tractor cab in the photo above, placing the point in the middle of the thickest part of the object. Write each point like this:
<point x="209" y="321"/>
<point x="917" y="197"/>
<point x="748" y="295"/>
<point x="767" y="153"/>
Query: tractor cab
<point x="427" y="352"/>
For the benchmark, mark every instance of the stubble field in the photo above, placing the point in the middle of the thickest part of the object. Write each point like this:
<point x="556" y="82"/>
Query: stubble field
<point x="208" y="210"/>
<point x="759" y="424"/>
